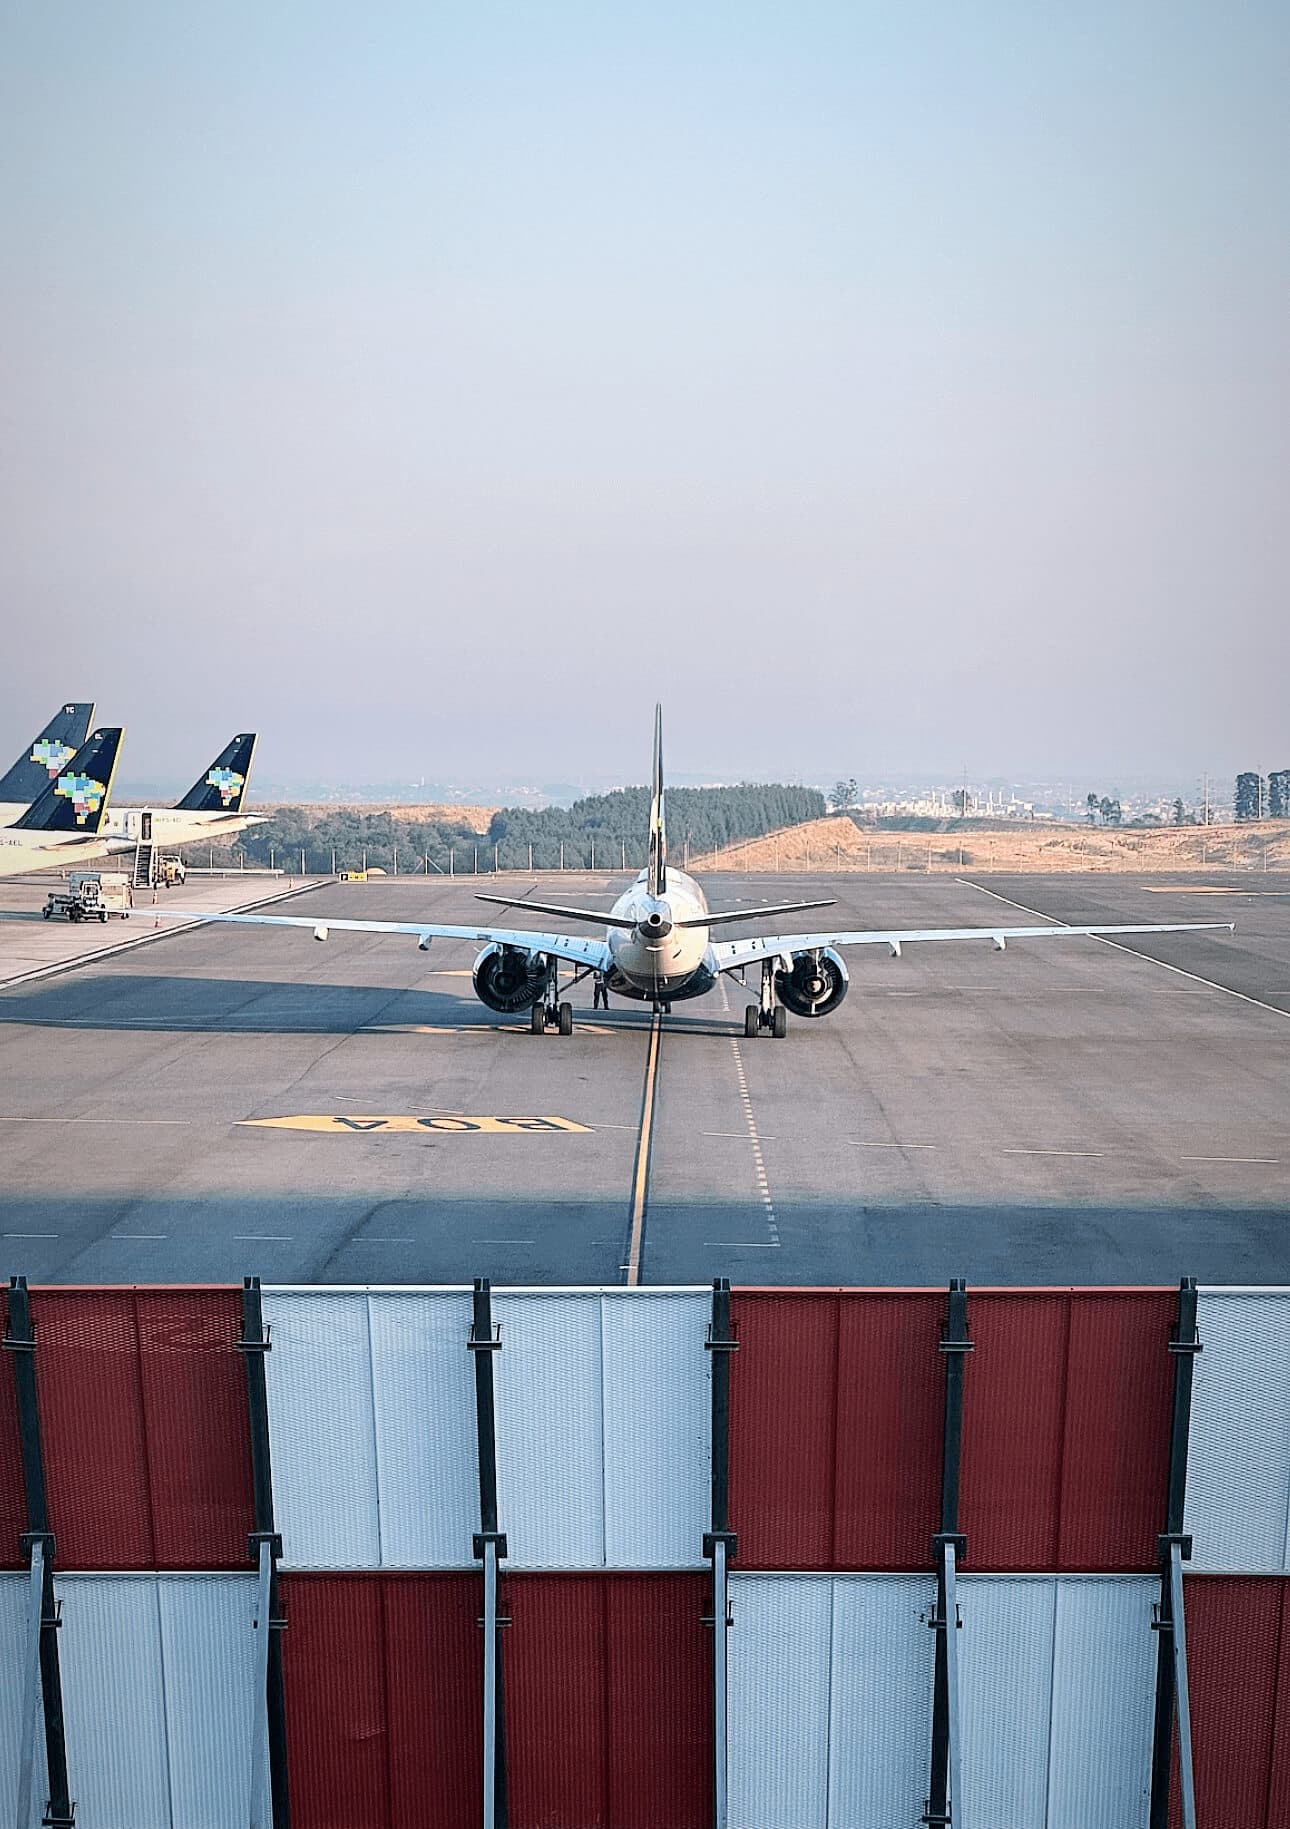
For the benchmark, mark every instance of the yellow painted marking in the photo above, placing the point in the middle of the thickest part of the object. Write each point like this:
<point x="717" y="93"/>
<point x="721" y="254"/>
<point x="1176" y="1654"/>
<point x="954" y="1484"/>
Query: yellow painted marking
<point x="442" y="1125"/>
<point x="467" y="1028"/>
<point x="640" y="1178"/>
<point x="1197" y="889"/>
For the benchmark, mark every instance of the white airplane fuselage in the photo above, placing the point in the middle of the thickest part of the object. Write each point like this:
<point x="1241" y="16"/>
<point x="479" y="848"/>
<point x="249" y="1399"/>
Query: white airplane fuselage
<point x="658" y="958"/>
<point x="125" y="827"/>
<point x="21" y="851"/>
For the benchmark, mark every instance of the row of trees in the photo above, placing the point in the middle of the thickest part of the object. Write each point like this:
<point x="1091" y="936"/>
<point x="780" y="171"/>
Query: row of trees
<point x="1257" y="798"/>
<point x="1102" y="807"/>
<point x="605" y="830"/>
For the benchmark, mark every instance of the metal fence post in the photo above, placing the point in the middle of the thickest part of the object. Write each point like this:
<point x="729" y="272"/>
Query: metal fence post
<point x="268" y="1703"/>
<point x="490" y="1550"/>
<point x="944" y="1804"/>
<point x="1172" y="1694"/>
<point x="38" y="1544"/>
<point x="720" y="1543"/>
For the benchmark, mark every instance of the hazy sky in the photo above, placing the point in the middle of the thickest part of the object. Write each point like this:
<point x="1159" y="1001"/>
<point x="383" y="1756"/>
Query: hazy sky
<point x="434" y="385"/>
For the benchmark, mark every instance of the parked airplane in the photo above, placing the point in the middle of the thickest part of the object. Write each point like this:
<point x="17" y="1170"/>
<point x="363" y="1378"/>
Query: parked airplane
<point x="63" y="825"/>
<point x="42" y="758"/>
<point x="658" y="947"/>
<point x="210" y="811"/>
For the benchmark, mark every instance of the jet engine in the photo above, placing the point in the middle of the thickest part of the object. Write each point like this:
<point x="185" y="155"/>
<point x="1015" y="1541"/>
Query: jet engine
<point x="816" y="985"/>
<point x="508" y="979"/>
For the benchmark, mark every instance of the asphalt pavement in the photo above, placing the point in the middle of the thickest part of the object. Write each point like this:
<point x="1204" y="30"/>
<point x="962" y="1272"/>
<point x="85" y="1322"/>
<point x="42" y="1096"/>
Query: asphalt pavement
<point x="237" y="1100"/>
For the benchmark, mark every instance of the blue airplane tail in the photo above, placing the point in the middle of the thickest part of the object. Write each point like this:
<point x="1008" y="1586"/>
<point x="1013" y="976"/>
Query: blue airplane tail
<point x="222" y="788"/>
<point x="76" y="800"/>
<point x="57" y="743"/>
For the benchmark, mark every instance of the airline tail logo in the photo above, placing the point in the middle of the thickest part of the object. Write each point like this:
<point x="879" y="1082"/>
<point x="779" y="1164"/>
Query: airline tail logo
<point x="85" y="794"/>
<point x="228" y="781"/>
<point x="51" y="754"/>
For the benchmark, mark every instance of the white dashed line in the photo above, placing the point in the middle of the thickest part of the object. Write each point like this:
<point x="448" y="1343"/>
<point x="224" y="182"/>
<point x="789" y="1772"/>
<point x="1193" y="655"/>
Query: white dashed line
<point x="759" y="1163"/>
<point x="1093" y="1155"/>
<point x="1268" y="1161"/>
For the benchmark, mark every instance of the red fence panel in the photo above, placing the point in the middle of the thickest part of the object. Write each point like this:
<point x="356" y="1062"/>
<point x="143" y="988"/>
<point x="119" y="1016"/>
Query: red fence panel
<point x="92" y="1426"/>
<point x="1119" y="1409"/>
<point x="890" y="1426"/>
<point x="142" y="1401"/>
<point x="13" y="1498"/>
<point x="608" y="1711"/>
<point x="1240" y="1731"/>
<point x="783" y="1391"/>
<point x="557" y="1729"/>
<point x="659" y="1700"/>
<point x="333" y="1662"/>
<point x="434" y="1661"/>
<point x="198" y="1435"/>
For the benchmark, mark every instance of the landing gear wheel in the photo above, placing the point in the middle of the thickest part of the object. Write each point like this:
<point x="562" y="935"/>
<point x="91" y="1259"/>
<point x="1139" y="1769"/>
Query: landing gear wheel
<point x="565" y="1019"/>
<point x="537" y="1019"/>
<point x="779" y="1022"/>
<point x="752" y="1021"/>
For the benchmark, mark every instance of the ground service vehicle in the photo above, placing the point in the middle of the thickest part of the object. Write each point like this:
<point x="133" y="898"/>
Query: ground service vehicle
<point x="91" y="895"/>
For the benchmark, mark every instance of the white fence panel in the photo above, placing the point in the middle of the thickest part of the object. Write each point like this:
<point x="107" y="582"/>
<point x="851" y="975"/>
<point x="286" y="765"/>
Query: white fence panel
<point x="322" y="1430"/>
<point x="209" y="1664"/>
<point x="658" y="1425"/>
<point x="1006" y="1672"/>
<point x="881" y="1685"/>
<point x="114" y="1705"/>
<point x="14" y="1593"/>
<point x="780" y="1656"/>
<point x="1238" y="1470"/>
<point x="550" y="1428"/>
<point x="1103" y="1702"/>
<point x="427" y="1457"/>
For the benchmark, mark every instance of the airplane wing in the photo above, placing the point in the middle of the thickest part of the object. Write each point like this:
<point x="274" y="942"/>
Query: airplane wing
<point x="731" y="954"/>
<point x="578" y="949"/>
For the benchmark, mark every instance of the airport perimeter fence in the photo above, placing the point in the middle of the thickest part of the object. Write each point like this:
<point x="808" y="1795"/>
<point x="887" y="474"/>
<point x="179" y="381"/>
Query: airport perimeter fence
<point x="645" y="1559"/>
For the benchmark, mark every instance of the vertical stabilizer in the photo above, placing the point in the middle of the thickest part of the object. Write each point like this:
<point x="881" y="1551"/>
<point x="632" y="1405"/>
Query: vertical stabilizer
<point x="77" y="799"/>
<point x="57" y="743"/>
<point x="657" y="883"/>
<point x="222" y="788"/>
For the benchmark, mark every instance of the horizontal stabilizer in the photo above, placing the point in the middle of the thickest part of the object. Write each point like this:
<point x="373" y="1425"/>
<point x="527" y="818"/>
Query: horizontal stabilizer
<point x="596" y="915"/>
<point x="222" y="788"/>
<point x="752" y="914"/>
<point x="57" y="743"/>
<point x="77" y="798"/>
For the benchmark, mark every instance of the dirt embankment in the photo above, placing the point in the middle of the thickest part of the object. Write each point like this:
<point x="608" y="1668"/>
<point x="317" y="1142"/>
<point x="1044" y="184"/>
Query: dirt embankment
<point x="446" y="813"/>
<point x="839" y="844"/>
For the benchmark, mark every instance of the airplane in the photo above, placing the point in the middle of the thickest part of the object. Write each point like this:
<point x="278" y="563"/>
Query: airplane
<point x="41" y="760"/>
<point x="64" y="823"/>
<point x="211" y="810"/>
<point x="658" y="946"/>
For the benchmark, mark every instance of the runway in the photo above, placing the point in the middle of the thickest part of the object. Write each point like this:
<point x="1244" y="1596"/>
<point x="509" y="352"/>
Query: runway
<point x="1064" y="1112"/>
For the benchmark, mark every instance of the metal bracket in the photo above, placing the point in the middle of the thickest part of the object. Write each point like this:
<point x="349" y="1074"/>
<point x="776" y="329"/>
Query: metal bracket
<point x="481" y="1539"/>
<point x="492" y="1344"/>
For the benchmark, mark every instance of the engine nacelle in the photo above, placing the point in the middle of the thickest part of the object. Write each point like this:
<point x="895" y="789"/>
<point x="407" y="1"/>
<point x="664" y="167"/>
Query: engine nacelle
<point x="816" y="985"/>
<point x="508" y="979"/>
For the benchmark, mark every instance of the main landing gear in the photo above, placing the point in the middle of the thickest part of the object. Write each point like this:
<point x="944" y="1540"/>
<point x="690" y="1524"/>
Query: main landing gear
<point x="544" y="1016"/>
<point x="766" y="1014"/>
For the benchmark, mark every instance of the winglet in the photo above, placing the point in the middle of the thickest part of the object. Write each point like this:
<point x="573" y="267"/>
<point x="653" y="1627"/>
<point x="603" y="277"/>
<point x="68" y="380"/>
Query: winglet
<point x="222" y="787"/>
<point x="657" y="876"/>
<point x="45" y="755"/>
<point x="77" y="798"/>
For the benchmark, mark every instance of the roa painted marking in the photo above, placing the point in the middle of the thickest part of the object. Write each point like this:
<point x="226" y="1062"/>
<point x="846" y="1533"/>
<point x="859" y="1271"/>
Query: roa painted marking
<point x="351" y="1125"/>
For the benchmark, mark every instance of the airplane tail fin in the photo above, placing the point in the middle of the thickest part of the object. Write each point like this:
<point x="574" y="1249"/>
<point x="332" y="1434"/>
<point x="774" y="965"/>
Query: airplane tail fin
<point x="657" y="876"/>
<point x="222" y="788"/>
<point x="57" y="743"/>
<point x="77" y="798"/>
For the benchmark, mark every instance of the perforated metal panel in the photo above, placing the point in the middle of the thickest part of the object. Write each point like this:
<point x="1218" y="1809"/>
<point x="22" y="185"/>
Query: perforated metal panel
<point x="1006" y="1675"/>
<point x="549" y="1383"/>
<point x="780" y="1659"/>
<point x="1104" y="1679"/>
<point x="13" y="1651"/>
<point x="423" y="1390"/>
<point x="657" y="1426"/>
<point x="880" y="1707"/>
<point x="1236" y="1650"/>
<point x="208" y="1652"/>
<point x="322" y="1428"/>
<point x="335" y="1679"/>
<point x="114" y="1705"/>
<point x="1238" y="1472"/>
